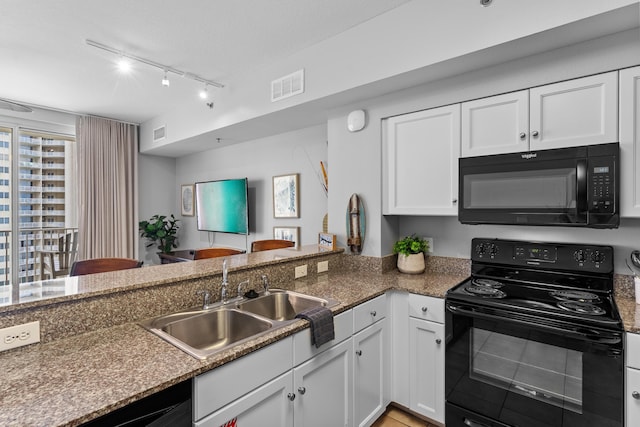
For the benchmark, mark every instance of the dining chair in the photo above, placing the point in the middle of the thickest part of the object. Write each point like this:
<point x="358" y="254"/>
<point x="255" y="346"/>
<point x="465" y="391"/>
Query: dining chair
<point x="265" y="245"/>
<point x="57" y="263"/>
<point x="215" y="252"/>
<point x="102" y="265"/>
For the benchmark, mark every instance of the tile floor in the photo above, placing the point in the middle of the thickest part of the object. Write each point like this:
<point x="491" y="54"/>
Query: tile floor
<point x="395" y="417"/>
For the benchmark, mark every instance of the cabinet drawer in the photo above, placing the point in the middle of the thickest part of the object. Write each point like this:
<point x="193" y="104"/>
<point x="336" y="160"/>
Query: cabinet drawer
<point x="304" y="350"/>
<point x="369" y="312"/>
<point x="427" y="308"/>
<point x="225" y="384"/>
<point x="632" y="405"/>
<point x="633" y="351"/>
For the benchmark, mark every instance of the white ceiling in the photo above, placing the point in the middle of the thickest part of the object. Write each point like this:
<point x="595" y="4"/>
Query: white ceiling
<point x="46" y="62"/>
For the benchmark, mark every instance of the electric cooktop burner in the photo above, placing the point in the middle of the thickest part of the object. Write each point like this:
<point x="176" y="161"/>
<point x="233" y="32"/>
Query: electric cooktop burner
<point x="486" y="288"/>
<point x="581" y="307"/>
<point x="575" y="295"/>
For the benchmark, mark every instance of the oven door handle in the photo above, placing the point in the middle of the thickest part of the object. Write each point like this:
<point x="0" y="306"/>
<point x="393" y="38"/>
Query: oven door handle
<point x="581" y="333"/>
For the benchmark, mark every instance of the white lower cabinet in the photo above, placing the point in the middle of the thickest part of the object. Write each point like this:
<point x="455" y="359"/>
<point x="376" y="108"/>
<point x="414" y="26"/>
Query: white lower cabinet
<point x="426" y="364"/>
<point x="632" y="381"/>
<point x="268" y="405"/>
<point x="370" y="367"/>
<point x="323" y="387"/>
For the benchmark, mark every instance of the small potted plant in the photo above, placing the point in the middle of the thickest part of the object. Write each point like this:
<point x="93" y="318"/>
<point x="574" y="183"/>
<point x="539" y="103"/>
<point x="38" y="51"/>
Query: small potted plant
<point x="411" y="252"/>
<point x="162" y="231"/>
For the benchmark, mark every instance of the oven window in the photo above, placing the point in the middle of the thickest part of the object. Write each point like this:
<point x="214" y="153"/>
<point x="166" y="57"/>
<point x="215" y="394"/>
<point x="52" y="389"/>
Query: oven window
<point x="540" y="371"/>
<point x="538" y="189"/>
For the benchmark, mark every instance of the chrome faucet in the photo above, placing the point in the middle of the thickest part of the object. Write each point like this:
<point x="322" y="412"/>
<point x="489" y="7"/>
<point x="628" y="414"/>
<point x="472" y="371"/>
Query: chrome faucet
<point x="223" y="293"/>
<point x="245" y="282"/>
<point x="206" y="298"/>
<point x="265" y="283"/>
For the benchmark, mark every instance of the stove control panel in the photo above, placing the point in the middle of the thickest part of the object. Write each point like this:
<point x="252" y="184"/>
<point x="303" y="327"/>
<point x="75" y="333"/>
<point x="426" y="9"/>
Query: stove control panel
<point x="565" y="256"/>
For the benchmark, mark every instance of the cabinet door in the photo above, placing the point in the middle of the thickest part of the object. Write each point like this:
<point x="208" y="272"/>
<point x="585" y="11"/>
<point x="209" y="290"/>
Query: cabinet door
<point x="632" y="404"/>
<point x="369" y="373"/>
<point x="420" y="165"/>
<point x="426" y="364"/>
<point x="323" y="387"/>
<point x="630" y="142"/>
<point x="499" y="124"/>
<point x="576" y="112"/>
<point x="267" y="405"/>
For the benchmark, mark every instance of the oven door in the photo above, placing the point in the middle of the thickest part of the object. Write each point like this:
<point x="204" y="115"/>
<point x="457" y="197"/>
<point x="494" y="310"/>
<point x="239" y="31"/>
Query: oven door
<point x="505" y="369"/>
<point x="506" y="189"/>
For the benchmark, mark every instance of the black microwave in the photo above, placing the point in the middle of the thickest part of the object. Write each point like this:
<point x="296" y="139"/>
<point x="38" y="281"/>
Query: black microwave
<point x="574" y="186"/>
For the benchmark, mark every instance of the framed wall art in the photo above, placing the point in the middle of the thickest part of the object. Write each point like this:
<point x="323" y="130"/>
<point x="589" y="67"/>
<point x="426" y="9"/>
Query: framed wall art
<point x="188" y="199"/>
<point x="327" y="241"/>
<point x="285" y="196"/>
<point x="287" y="233"/>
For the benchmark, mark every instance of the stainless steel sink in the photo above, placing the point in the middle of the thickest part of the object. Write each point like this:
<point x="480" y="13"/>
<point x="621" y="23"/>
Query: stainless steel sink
<point x="282" y="305"/>
<point x="203" y="333"/>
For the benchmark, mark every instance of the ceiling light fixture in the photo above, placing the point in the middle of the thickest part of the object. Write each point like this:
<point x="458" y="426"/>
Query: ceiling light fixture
<point x="151" y="63"/>
<point x="165" y="80"/>
<point x="124" y="66"/>
<point x="204" y="93"/>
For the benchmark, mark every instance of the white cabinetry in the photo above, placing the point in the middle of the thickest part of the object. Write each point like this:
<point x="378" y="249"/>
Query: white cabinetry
<point x="370" y="365"/>
<point x="632" y="381"/>
<point x="420" y="162"/>
<point x="426" y="359"/>
<point x="630" y="142"/>
<point x="418" y="354"/>
<point x="323" y="387"/>
<point x="582" y="111"/>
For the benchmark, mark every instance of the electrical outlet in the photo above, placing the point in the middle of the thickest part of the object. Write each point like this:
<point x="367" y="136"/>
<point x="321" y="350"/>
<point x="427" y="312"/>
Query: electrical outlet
<point x="430" y="241"/>
<point x="19" y="335"/>
<point x="301" y="271"/>
<point x="323" y="266"/>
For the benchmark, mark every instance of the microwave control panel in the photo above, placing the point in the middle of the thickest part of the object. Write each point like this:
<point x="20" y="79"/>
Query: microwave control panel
<point x="601" y="183"/>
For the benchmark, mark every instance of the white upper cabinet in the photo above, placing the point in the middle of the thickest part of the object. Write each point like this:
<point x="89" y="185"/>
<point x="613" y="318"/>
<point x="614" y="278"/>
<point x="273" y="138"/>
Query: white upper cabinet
<point x="630" y="142"/>
<point x="576" y="112"/>
<point x="499" y="124"/>
<point x="582" y="111"/>
<point x="420" y="162"/>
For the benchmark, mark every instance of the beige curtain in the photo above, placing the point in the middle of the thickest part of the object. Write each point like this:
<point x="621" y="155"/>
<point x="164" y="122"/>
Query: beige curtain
<point x="107" y="188"/>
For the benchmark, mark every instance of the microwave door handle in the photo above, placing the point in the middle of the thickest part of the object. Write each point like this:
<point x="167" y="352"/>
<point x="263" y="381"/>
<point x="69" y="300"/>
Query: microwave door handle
<point x="581" y="186"/>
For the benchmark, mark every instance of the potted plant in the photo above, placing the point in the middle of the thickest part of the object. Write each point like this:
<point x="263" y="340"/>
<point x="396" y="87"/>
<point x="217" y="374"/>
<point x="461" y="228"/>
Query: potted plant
<point x="411" y="252"/>
<point x="161" y="231"/>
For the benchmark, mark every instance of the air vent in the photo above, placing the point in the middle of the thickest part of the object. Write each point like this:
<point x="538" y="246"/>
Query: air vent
<point x="287" y="86"/>
<point x="159" y="133"/>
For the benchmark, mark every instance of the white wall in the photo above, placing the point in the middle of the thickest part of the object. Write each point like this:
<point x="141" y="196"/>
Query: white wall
<point x="259" y="160"/>
<point x="356" y="157"/>
<point x="157" y="194"/>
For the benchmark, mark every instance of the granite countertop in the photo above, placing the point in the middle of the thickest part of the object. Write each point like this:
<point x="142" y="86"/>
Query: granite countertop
<point x="73" y="380"/>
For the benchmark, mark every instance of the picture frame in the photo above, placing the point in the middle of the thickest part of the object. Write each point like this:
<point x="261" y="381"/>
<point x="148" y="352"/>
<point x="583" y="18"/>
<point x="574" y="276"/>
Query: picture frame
<point x="286" y="197"/>
<point x="327" y="241"/>
<point x="187" y="200"/>
<point x="287" y="233"/>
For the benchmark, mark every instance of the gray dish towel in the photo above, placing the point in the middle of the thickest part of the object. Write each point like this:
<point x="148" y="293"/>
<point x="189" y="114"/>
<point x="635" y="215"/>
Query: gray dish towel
<point x="321" y="319"/>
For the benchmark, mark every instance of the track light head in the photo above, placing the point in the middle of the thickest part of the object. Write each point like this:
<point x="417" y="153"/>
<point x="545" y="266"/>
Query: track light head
<point x="124" y="65"/>
<point x="165" y="80"/>
<point x="204" y="93"/>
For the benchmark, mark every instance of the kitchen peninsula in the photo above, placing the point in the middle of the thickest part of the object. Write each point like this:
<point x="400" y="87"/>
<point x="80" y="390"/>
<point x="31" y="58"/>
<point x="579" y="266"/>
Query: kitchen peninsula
<point x="95" y="358"/>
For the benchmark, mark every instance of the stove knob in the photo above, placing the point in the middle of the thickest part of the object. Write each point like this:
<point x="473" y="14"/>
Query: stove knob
<point x="480" y="249"/>
<point x="597" y="257"/>
<point x="493" y="250"/>
<point x="579" y="255"/>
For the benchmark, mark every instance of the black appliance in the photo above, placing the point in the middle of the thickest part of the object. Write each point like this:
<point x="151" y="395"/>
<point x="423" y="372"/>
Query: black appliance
<point x="534" y="338"/>
<point x="575" y="186"/>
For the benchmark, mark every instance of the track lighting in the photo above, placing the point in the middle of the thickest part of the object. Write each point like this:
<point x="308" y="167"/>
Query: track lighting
<point x="165" y="80"/>
<point x="126" y="57"/>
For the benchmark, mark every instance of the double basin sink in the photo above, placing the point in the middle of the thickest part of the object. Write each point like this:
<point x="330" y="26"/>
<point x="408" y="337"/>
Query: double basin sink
<point x="204" y="332"/>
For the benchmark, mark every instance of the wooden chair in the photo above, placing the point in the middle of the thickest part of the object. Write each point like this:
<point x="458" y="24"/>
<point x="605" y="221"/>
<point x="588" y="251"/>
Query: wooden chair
<point x="57" y="263"/>
<point x="102" y="265"/>
<point x="215" y="252"/>
<point x="265" y="245"/>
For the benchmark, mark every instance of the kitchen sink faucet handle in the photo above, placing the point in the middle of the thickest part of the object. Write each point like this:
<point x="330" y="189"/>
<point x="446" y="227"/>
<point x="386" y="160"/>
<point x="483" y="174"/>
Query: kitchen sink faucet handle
<point x="206" y="298"/>
<point x="265" y="283"/>
<point x="244" y="282"/>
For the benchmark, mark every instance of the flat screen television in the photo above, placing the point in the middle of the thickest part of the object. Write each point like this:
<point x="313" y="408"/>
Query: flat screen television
<point x="222" y="206"/>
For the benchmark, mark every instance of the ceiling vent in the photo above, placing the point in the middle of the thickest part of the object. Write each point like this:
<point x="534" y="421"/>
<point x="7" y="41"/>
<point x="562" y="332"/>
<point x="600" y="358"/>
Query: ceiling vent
<point x="287" y="86"/>
<point x="159" y="133"/>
